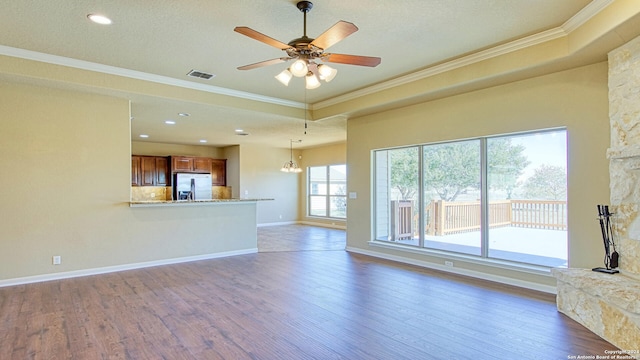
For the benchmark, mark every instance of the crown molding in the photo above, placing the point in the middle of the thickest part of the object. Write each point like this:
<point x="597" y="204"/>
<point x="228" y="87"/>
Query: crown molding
<point x="448" y="66"/>
<point x="139" y="75"/>
<point x="584" y="15"/>
<point x="563" y="30"/>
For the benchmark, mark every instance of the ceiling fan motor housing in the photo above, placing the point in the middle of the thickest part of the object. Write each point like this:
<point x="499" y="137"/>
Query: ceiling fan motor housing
<point x="302" y="46"/>
<point x="304" y="6"/>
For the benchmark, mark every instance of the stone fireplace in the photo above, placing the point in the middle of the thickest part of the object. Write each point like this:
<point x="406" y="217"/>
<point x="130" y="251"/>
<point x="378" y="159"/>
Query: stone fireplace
<point x="609" y="305"/>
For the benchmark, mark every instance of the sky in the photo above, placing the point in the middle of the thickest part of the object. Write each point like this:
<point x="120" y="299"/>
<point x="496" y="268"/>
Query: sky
<point x="549" y="147"/>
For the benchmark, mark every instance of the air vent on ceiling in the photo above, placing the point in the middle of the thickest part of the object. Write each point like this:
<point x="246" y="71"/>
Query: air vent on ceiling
<point x="200" y="74"/>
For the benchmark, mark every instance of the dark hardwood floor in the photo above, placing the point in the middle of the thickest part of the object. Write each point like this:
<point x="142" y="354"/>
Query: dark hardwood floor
<point x="285" y="305"/>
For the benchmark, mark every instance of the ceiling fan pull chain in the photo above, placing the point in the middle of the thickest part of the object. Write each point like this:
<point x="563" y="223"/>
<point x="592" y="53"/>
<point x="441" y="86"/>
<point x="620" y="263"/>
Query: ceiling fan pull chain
<point x="305" y="110"/>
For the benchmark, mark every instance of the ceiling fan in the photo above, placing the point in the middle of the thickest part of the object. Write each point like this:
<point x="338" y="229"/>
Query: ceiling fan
<point x="305" y="51"/>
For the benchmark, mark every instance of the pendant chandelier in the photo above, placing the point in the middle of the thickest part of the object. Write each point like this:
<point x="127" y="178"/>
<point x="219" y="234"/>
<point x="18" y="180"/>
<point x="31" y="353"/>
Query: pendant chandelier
<point x="290" y="166"/>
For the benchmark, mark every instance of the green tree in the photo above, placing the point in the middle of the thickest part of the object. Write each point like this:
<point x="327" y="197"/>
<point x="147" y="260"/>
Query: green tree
<point x="450" y="169"/>
<point x="404" y="171"/>
<point x="506" y="162"/>
<point x="340" y="203"/>
<point x="548" y="182"/>
<point x="453" y="168"/>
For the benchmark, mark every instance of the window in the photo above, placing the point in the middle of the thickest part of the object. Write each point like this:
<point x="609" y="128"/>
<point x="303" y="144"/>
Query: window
<point x="500" y="197"/>
<point x="451" y="196"/>
<point x="527" y="196"/>
<point x="327" y="189"/>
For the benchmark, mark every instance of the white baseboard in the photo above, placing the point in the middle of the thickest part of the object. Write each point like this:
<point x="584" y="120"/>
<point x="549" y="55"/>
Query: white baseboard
<point x="459" y="271"/>
<point x="278" y="223"/>
<point x="310" y="223"/>
<point x="322" y="224"/>
<point x="116" y="268"/>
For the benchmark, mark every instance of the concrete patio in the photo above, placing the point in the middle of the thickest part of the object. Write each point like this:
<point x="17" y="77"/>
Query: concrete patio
<point x="531" y="246"/>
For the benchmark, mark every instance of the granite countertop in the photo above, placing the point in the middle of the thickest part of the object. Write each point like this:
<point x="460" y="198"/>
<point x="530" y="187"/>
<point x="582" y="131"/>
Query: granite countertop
<point x="190" y="202"/>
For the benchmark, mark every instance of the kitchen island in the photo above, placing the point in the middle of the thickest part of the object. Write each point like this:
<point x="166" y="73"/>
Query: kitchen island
<point x="172" y="231"/>
<point x="150" y="203"/>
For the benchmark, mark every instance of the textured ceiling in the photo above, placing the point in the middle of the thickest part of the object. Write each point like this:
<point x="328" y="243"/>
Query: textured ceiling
<point x="168" y="38"/>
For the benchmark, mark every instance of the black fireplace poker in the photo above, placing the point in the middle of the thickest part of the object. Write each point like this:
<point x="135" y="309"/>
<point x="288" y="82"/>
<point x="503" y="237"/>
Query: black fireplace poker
<point x="610" y="258"/>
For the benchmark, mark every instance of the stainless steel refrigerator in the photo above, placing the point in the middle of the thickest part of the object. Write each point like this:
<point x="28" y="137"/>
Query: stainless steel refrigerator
<point x="192" y="186"/>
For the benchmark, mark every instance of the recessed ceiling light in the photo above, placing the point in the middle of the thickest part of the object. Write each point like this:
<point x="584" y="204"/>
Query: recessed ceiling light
<point x="203" y="141"/>
<point x="99" y="19"/>
<point x="184" y="114"/>
<point x="170" y="122"/>
<point x="144" y="136"/>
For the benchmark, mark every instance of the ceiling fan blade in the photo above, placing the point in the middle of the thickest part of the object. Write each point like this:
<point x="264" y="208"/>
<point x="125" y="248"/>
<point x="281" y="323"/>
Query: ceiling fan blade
<point x="263" y="63"/>
<point x="260" y="37"/>
<point x="353" y="59"/>
<point x="337" y="32"/>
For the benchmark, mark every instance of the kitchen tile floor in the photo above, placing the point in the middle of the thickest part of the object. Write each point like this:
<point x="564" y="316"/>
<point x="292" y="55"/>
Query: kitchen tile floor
<point x="300" y="238"/>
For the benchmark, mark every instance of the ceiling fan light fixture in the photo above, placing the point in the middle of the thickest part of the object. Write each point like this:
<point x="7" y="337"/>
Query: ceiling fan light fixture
<point x="284" y="77"/>
<point x="326" y="72"/>
<point x="312" y="81"/>
<point x="299" y="68"/>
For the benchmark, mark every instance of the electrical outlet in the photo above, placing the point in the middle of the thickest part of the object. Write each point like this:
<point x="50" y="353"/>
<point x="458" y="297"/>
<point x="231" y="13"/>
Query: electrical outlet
<point x="448" y="263"/>
<point x="57" y="260"/>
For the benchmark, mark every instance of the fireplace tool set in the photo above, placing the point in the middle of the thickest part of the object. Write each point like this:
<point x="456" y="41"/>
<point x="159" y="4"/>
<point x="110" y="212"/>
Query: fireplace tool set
<point x="610" y="258"/>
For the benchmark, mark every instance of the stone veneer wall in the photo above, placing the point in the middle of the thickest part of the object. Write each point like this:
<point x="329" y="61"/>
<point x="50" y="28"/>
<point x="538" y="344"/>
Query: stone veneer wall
<point x="624" y="153"/>
<point x="609" y="305"/>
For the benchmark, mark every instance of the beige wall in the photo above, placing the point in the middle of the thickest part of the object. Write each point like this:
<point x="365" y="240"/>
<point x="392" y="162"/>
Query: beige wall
<point x="160" y="149"/>
<point x="575" y="99"/>
<point x="66" y="187"/>
<point x="260" y="177"/>
<point x="334" y="154"/>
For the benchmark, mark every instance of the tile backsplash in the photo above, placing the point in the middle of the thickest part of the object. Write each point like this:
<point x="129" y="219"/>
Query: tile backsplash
<point x="151" y="193"/>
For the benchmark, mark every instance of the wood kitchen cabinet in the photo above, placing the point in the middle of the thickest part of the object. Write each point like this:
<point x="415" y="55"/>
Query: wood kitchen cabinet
<point x="202" y="165"/>
<point x="181" y="164"/>
<point x="135" y="170"/>
<point x="219" y="172"/>
<point x="162" y="176"/>
<point x="191" y="164"/>
<point x="150" y="171"/>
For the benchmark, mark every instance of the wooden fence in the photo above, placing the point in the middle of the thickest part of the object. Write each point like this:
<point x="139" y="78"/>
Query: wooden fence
<point x="402" y="221"/>
<point x="539" y="214"/>
<point x="445" y="218"/>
